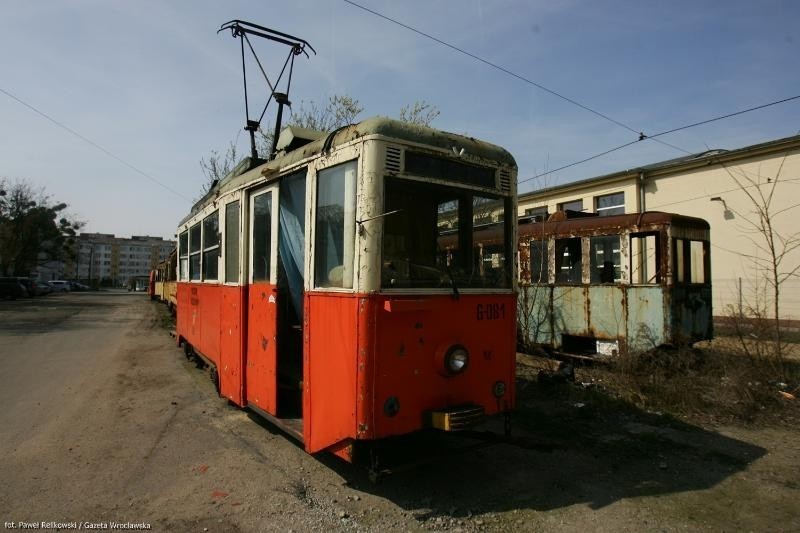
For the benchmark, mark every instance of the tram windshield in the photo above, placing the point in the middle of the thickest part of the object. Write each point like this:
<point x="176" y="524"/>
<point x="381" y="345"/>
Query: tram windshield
<point x="441" y="236"/>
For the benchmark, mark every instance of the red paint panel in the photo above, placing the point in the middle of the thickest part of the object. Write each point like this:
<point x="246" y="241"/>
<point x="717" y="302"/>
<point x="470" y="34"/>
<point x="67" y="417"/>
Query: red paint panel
<point x="260" y="356"/>
<point x="231" y="375"/>
<point x="412" y="337"/>
<point x="330" y="369"/>
<point x="199" y="317"/>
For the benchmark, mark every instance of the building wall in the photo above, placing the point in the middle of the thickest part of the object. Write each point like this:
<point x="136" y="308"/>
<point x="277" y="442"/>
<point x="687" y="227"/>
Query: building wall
<point x="104" y="257"/>
<point x="588" y="193"/>
<point x="738" y="251"/>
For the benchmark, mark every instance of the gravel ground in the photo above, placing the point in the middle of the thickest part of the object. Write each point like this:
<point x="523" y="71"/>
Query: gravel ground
<point x="105" y="421"/>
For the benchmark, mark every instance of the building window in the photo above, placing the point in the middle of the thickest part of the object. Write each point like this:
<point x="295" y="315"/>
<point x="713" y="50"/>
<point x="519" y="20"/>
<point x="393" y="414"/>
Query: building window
<point x="211" y="247"/>
<point x="537" y="214"/>
<point x="574" y="205"/>
<point x="610" y="204"/>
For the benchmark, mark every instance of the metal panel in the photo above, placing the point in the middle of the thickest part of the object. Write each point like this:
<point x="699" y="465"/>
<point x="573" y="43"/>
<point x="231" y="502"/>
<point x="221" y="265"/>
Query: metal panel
<point x="534" y="309"/>
<point x="607" y="312"/>
<point x="645" y="317"/>
<point x="570" y="312"/>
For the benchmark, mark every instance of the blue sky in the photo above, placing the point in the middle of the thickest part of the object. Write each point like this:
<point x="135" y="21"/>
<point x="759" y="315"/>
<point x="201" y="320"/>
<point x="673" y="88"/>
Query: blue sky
<point x="155" y="85"/>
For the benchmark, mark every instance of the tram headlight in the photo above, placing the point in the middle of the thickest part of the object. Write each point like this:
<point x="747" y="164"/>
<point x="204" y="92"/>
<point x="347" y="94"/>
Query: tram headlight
<point x="456" y="360"/>
<point x="499" y="389"/>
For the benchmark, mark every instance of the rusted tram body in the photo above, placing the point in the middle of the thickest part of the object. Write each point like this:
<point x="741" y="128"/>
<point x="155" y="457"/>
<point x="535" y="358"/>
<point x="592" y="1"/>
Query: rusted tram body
<point x="604" y="285"/>
<point x="320" y="288"/>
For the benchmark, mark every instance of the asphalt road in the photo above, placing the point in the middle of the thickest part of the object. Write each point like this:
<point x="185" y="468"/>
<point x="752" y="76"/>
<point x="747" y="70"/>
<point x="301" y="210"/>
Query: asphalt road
<point x="103" y="421"/>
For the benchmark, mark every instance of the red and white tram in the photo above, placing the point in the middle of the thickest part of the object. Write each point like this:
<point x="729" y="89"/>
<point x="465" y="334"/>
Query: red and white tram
<point x="340" y="290"/>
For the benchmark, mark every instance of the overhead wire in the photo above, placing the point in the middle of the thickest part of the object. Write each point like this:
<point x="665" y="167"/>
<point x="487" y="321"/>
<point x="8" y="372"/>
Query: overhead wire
<point x="666" y="132"/>
<point x="641" y="135"/>
<point x="94" y="144"/>
<point x="513" y="74"/>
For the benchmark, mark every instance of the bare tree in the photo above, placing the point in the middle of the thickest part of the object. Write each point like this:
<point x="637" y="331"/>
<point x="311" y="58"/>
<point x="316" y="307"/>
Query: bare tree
<point x="338" y="111"/>
<point x="420" y="113"/>
<point x="775" y="246"/>
<point x="217" y="166"/>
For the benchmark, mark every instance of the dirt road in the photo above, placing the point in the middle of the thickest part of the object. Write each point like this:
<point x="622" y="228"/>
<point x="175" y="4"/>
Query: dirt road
<point x="103" y="420"/>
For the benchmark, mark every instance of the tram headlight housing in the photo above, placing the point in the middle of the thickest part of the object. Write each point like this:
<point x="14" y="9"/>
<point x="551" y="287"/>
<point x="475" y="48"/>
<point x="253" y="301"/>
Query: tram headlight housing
<point x="456" y="360"/>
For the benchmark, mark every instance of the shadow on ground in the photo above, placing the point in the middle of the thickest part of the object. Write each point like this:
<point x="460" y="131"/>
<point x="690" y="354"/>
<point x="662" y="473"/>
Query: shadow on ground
<point x="571" y="447"/>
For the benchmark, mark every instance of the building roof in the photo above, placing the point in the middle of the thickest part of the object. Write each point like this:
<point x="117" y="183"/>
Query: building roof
<point x="709" y="157"/>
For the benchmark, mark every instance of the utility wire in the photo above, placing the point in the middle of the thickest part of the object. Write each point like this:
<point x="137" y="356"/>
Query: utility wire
<point x="495" y="66"/>
<point x="513" y="74"/>
<point x="726" y="116"/>
<point x="666" y="132"/>
<point x="94" y="144"/>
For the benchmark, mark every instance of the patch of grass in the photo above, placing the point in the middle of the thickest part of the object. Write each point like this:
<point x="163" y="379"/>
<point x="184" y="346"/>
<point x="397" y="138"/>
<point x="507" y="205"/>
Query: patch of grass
<point x="714" y="383"/>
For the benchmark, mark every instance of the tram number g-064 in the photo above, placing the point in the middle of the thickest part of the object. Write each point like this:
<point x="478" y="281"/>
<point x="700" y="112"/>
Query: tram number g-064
<point x="340" y="290"/>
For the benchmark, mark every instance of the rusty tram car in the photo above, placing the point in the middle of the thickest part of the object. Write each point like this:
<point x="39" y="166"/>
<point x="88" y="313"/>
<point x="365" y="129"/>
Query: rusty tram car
<point x="600" y="286"/>
<point x="318" y="289"/>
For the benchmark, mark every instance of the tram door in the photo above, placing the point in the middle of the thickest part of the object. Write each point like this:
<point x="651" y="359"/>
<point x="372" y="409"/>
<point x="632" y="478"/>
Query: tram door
<point x="290" y="272"/>
<point x="262" y="297"/>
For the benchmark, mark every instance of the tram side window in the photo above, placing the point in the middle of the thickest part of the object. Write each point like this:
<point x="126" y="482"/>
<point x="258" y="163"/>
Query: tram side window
<point x="679" y="263"/>
<point x="183" y="244"/>
<point x="697" y="261"/>
<point x="211" y="247"/>
<point x="262" y="236"/>
<point x="488" y="222"/>
<point x="604" y="256"/>
<point x="335" y="226"/>
<point x="232" y="242"/>
<point x="568" y="260"/>
<point x="645" y="259"/>
<point x="540" y="272"/>
<point x="194" y="252"/>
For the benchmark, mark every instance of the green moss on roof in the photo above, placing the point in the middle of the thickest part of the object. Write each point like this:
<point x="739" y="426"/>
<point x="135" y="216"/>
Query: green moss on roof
<point x="382" y="126"/>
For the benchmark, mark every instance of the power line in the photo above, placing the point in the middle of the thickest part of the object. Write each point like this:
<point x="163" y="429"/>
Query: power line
<point x="495" y="66"/>
<point x="601" y="154"/>
<point x="642" y="138"/>
<point x="726" y="116"/>
<point x="515" y="75"/>
<point x="94" y="144"/>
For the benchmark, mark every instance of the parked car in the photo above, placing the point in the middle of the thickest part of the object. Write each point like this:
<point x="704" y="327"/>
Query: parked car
<point x="29" y="284"/>
<point x="59" y="285"/>
<point x="34" y="287"/>
<point x="11" y="289"/>
<point x="42" y="287"/>
<point x="75" y="286"/>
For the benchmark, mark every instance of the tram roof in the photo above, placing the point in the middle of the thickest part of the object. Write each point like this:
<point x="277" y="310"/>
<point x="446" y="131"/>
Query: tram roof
<point x="594" y="224"/>
<point x="382" y="126"/>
